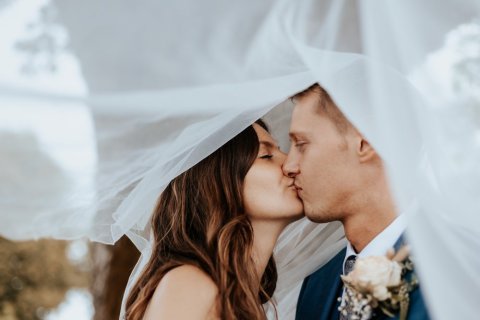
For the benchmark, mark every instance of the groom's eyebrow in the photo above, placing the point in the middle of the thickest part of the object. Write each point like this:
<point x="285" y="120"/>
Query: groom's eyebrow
<point x="293" y="135"/>
<point x="296" y="134"/>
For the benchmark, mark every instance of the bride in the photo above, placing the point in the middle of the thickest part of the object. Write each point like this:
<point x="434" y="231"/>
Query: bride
<point x="215" y="227"/>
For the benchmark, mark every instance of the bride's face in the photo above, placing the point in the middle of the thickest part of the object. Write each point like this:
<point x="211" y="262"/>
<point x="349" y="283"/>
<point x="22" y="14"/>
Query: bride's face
<point x="268" y="194"/>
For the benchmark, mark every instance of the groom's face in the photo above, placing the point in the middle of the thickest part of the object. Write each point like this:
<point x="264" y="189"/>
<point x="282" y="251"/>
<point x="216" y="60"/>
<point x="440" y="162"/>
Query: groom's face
<point x="321" y="161"/>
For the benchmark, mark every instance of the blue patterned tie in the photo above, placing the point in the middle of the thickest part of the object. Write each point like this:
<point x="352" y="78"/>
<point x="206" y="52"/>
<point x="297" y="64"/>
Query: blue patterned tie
<point x="349" y="263"/>
<point x="348" y="267"/>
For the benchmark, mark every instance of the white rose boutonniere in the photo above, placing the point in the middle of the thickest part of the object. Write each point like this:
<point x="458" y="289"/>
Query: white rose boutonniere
<point x="378" y="284"/>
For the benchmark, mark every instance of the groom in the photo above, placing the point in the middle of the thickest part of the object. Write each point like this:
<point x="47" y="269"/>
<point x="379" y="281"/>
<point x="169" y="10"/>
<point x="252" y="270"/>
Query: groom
<point x="340" y="177"/>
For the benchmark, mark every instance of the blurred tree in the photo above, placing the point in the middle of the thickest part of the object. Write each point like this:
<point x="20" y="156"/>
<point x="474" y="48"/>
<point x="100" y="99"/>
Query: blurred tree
<point x="43" y="43"/>
<point x="465" y="46"/>
<point x="34" y="277"/>
<point x="112" y="266"/>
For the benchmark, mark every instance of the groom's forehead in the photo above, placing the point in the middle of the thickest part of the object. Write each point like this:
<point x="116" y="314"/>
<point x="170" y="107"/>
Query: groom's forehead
<point x="310" y="113"/>
<point x="302" y="127"/>
<point x="306" y="112"/>
<point x="304" y="116"/>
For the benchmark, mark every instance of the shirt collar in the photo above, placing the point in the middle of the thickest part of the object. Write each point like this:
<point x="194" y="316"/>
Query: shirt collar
<point x="384" y="241"/>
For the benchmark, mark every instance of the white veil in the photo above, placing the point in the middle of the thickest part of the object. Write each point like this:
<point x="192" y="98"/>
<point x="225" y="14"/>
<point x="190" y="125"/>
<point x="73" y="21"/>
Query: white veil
<point x="168" y="83"/>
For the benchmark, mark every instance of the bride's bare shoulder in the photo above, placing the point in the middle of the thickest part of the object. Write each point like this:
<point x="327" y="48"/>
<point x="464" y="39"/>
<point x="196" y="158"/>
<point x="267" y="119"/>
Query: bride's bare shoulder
<point x="185" y="292"/>
<point x="188" y="277"/>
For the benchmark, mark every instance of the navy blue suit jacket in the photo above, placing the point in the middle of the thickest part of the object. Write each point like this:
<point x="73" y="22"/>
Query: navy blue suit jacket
<point x="320" y="291"/>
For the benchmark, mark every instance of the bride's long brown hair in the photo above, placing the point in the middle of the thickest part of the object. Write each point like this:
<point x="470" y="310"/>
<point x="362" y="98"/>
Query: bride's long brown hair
<point x="200" y="220"/>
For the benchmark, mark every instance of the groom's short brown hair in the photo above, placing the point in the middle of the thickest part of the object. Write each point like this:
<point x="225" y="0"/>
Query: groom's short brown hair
<point x="326" y="106"/>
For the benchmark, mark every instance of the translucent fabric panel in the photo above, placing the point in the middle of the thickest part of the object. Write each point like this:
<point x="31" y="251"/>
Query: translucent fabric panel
<point x="163" y="84"/>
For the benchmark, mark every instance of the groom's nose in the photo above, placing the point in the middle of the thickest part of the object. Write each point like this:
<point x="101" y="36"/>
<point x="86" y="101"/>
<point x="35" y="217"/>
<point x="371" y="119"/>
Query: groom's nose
<point x="290" y="166"/>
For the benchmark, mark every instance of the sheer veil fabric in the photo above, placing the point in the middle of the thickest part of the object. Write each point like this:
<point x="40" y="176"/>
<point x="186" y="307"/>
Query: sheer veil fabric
<point x="166" y="83"/>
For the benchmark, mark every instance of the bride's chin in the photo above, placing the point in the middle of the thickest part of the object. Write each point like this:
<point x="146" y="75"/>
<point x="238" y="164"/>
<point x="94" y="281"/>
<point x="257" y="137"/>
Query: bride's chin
<point x="295" y="218"/>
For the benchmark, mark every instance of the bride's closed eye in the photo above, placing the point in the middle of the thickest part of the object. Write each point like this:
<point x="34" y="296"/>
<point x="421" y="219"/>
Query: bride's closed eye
<point x="267" y="156"/>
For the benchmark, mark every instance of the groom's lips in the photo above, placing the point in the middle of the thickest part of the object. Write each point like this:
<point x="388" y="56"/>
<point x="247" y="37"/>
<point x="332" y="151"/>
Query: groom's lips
<point x="298" y="190"/>
<point x="296" y="186"/>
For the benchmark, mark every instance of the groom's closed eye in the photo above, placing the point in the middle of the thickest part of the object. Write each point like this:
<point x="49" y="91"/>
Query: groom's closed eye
<point x="300" y="145"/>
<point x="297" y="137"/>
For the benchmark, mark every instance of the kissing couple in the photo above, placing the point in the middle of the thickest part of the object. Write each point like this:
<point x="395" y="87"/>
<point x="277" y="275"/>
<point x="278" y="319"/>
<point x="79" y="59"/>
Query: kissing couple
<point x="215" y="227"/>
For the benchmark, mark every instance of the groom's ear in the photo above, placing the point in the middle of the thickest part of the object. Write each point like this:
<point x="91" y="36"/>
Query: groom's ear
<point x="364" y="149"/>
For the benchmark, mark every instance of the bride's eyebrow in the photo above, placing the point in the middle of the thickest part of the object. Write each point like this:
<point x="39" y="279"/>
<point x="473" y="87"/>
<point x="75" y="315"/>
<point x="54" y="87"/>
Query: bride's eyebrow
<point x="268" y="144"/>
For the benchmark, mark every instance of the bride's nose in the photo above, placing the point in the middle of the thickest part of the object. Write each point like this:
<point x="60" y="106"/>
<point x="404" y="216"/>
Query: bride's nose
<point x="282" y="156"/>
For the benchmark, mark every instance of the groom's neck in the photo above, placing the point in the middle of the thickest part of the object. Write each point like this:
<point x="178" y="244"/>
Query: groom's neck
<point x="371" y="209"/>
<point x="369" y="219"/>
<point x="361" y="229"/>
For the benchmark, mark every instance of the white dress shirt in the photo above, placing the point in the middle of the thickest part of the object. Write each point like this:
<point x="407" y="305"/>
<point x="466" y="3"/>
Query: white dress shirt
<point x="379" y="246"/>
<point x="384" y="241"/>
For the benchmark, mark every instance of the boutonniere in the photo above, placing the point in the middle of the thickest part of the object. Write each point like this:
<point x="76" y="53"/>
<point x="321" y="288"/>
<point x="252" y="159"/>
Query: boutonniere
<point x="379" y="285"/>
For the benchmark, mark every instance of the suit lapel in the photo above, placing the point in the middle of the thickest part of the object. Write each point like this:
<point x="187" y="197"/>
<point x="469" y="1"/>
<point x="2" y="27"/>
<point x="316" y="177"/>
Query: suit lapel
<point x="333" y="298"/>
<point x="320" y="291"/>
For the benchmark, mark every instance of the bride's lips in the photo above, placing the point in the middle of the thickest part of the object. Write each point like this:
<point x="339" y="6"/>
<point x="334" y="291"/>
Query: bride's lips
<point x="293" y="187"/>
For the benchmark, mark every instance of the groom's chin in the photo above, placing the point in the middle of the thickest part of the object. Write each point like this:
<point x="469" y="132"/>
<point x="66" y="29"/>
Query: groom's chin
<point x="318" y="216"/>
